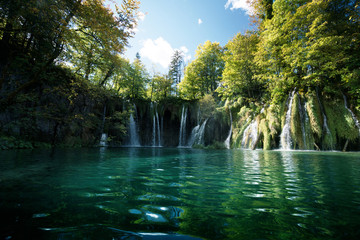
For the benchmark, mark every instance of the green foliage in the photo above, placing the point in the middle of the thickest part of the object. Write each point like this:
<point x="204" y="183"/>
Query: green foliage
<point x="264" y="130"/>
<point x="315" y="114"/>
<point x="11" y="142"/>
<point x="241" y="121"/>
<point x="202" y="75"/>
<point x="97" y="38"/>
<point x="240" y="69"/>
<point x="309" y="44"/>
<point x="116" y="126"/>
<point x="85" y="36"/>
<point x="295" y="123"/>
<point x="131" y="80"/>
<point x="274" y="123"/>
<point x="160" y="87"/>
<point x="341" y="124"/>
<point x="207" y="106"/>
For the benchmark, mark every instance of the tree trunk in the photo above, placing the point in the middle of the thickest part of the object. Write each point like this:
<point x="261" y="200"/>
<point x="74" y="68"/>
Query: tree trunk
<point x="345" y="146"/>
<point x="108" y="74"/>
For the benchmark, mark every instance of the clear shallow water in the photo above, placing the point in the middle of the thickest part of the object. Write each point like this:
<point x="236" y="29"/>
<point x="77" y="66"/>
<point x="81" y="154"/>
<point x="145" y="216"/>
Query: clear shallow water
<point x="146" y="193"/>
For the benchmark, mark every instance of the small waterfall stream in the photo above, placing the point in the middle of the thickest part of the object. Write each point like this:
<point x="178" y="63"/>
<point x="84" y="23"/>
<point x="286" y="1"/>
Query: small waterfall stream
<point x="285" y="137"/>
<point x="134" y="136"/>
<point x="103" y="140"/>
<point x="325" y="125"/>
<point x="228" y="139"/>
<point x="352" y="114"/>
<point x="197" y="134"/>
<point x="303" y="115"/>
<point x="308" y="142"/>
<point x="182" y="133"/>
<point x="250" y="135"/>
<point x="156" y="134"/>
<point x="103" y="137"/>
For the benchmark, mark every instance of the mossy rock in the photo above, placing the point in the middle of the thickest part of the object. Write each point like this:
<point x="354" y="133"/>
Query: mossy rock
<point x="264" y="131"/>
<point x="340" y="122"/>
<point x="239" y="132"/>
<point x="315" y="115"/>
<point x="295" y="124"/>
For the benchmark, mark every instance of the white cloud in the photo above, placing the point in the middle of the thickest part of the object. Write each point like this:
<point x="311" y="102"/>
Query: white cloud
<point x="184" y="49"/>
<point x="159" y="51"/>
<point x="200" y="21"/>
<point x="141" y="16"/>
<point x="185" y="55"/>
<point x="239" y="4"/>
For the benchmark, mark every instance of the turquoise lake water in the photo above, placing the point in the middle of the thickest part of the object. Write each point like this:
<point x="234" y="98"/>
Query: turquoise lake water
<point x="160" y="193"/>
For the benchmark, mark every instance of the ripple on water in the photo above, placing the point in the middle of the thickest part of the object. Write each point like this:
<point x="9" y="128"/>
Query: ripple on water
<point x="40" y="215"/>
<point x="135" y="211"/>
<point x="154" y="217"/>
<point x="152" y="197"/>
<point x="302" y="212"/>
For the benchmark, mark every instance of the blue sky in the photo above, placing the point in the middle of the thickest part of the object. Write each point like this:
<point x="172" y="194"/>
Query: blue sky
<point x="166" y="25"/>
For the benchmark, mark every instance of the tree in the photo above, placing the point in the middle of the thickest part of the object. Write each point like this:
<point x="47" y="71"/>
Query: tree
<point x="239" y="75"/>
<point x="176" y="68"/>
<point x="160" y="87"/>
<point x="98" y="36"/>
<point x="308" y="44"/>
<point x="84" y="32"/>
<point x="203" y="74"/>
<point x="130" y="79"/>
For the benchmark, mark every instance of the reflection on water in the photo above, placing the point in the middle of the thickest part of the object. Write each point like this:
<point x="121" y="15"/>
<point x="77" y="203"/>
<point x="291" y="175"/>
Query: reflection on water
<point x="139" y="193"/>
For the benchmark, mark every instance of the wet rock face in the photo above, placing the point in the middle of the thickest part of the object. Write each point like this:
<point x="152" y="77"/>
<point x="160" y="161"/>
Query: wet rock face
<point x="215" y="131"/>
<point x="170" y="130"/>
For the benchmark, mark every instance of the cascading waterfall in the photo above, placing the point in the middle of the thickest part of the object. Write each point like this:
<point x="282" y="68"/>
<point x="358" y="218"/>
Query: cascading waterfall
<point x="156" y="135"/>
<point x="153" y="142"/>
<point x="227" y="141"/>
<point x="134" y="136"/>
<point x="182" y="134"/>
<point x="352" y="114"/>
<point x="158" y="129"/>
<point x="302" y="111"/>
<point x="197" y="134"/>
<point x="250" y="135"/>
<point x="325" y="125"/>
<point x="103" y="140"/>
<point x="194" y="133"/>
<point x="285" y="136"/>
<point x="308" y="142"/>
<point x="305" y="125"/>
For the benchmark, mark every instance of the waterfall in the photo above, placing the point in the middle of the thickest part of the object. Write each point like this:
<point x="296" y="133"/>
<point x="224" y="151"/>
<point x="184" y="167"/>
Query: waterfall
<point x="197" y="134"/>
<point x="250" y="135"/>
<point x="302" y="111"/>
<point x="153" y="142"/>
<point x="308" y="142"/>
<point x="325" y="126"/>
<point x="103" y="137"/>
<point x="182" y="134"/>
<point x="158" y="128"/>
<point x="285" y="136"/>
<point x="227" y="141"/>
<point x="156" y="134"/>
<point x="352" y="114"/>
<point x="103" y="119"/>
<point x="103" y="140"/>
<point x="134" y="137"/>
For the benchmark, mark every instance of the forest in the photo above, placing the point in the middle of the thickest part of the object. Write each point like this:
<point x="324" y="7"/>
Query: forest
<point x="293" y="82"/>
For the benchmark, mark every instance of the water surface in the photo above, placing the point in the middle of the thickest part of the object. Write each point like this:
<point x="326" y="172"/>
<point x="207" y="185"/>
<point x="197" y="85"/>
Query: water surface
<point x="159" y="193"/>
